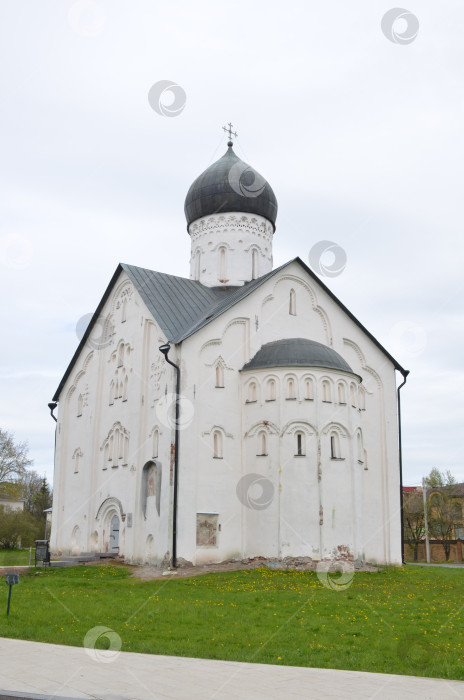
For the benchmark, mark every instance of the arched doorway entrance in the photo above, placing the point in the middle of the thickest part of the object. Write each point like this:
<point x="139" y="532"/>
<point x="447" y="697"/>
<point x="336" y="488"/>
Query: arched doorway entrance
<point x="114" y="535"/>
<point x="109" y="516"/>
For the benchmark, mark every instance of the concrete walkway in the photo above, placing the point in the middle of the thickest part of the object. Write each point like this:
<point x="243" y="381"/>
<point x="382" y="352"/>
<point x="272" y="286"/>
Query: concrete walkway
<point x="33" y="670"/>
<point x="446" y="564"/>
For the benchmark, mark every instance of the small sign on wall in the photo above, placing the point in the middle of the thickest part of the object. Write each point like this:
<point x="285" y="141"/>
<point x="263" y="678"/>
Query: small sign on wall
<point x="207" y="529"/>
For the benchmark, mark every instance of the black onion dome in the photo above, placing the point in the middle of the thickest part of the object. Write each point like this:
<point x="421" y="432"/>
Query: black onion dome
<point x="227" y="185"/>
<point x="297" y="352"/>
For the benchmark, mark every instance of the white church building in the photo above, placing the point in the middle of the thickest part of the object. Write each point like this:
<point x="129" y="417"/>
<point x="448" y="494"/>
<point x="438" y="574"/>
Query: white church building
<point x="287" y="438"/>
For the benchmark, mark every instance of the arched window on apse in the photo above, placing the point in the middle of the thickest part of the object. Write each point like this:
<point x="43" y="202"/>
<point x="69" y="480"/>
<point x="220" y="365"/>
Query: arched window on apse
<point x="271" y="390"/>
<point x="335" y="446"/>
<point x="262" y="444"/>
<point x="300" y="444"/>
<point x="326" y="392"/>
<point x="290" y="389"/>
<point x="353" y="395"/>
<point x="252" y="394"/>
<point x="309" y="393"/>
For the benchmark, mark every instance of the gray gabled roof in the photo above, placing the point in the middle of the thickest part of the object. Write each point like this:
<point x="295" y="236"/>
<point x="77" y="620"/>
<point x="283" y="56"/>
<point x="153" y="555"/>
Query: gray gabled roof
<point x="175" y="302"/>
<point x="182" y="306"/>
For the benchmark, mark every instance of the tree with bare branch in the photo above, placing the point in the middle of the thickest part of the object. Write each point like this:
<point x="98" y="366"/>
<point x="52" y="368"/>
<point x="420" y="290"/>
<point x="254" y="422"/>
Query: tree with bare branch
<point x="413" y="520"/>
<point x="14" y="458"/>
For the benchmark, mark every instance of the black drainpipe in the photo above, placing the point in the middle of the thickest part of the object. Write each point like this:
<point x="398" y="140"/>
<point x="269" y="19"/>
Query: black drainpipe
<point x="165" y="349"/>
<point x="52" y="407"/>
<point x="405" y="374"/>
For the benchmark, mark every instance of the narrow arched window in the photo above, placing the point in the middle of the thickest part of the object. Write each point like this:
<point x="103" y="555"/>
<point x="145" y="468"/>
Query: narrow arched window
<point x="121" y="355"/>
<point x="262" y="444"/>
<point x="125" y="450"/>
<point x="360" y="448"/>
<point x="254" y="264"/>
<point x="124" y="390"/>
<point x="80" y="402"/>
<point x="111" y="401"/>
<point x="353" y="395"/>
<point x="222" y="264"/>
<point x="290" y="389"/>
<point x="335" y="446"/>
<point x="326" y="392"/>
<point x="252" y="392"/>
<point x="309" y="395"/>
<point x="106" y="455"/>
<point x="155" y="443"/>
<point x="123" y="310"/>
<point x="110" y="457"/>
<point x="362" y="399"/>
<point x="76" y="457"/>
<point x="292" y="305"/>
<point x="219" y="375"/>
<point x="217" y="444"/>
<point x="197" y="265"/>
<point x="341" y="393"/>
<point x="271" y="390"/>
<point x="120" y="444"/>
<point x="115" y="447"/>
<point x="300" y="445"/>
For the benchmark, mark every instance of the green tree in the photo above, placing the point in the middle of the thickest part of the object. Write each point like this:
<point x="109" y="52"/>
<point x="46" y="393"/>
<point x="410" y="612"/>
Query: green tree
<point x="14" y="458"/>
<point x="41" y="500"/>
<point x="438" y="479"/>
<point x="413" y="520"/>
<point x="443" y="509"/>
<point x="17" y="528"/>
<point x="28" y="486"/>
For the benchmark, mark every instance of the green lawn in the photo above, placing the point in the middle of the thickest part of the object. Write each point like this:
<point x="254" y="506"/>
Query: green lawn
<point x="15" y="557"/>
<point x="406" y="620"/>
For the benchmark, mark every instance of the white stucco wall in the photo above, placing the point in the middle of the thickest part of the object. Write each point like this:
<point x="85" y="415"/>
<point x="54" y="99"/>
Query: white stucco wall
<point x="85" y="501"/>
<point x="360" y="502"/>
<point x="240" y="237"/>
<point x="318" y="504"/>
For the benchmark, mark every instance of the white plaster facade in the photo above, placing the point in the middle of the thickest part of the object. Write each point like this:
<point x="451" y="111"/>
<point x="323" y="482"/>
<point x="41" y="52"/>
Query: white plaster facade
<point x="273" y="462"/>
<point x="230" y="249"/>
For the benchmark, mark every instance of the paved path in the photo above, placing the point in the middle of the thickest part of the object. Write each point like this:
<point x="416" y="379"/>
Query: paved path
<point x="33" y="670"/>
<point x="447" y="565"/>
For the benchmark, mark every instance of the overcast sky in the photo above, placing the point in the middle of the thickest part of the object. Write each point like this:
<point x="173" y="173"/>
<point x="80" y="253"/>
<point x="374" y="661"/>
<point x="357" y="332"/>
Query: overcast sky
<point x="359" y="131"/>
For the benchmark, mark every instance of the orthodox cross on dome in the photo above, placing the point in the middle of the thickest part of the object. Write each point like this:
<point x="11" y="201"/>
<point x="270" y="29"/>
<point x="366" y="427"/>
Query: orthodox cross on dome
<point x="231" y="133"/>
